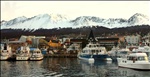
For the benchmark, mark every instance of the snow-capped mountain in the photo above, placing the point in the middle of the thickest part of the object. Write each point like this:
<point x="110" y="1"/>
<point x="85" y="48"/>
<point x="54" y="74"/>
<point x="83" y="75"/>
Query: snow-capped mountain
<point x="3" y="21"/>
<point x="49" y="21"/>
<point x="91" y="20"/>
<point x="14" y="21"/>
<point x="36" y="22"/>
<point x="138" y="19"/>
<point x="86" y="20"/>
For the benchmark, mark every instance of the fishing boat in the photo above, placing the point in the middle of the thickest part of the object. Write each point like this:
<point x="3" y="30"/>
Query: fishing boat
<point x="23" y="53"/>
<point x="94" y="51"/>
<point x="137" y="61"/>
<point x="5" y="52"/>
<point x="36" y="54"/>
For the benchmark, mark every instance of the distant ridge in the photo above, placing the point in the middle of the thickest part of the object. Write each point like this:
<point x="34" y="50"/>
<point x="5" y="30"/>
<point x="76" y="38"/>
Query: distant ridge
<point x="49" y="21"/>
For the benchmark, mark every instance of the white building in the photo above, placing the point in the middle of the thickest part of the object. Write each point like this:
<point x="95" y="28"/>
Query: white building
<point x="133" y="39"/>
<point x="33" y="39"/>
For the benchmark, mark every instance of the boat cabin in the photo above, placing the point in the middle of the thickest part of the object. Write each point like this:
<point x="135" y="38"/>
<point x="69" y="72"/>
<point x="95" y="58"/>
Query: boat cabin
<point x="137" y="57"/>
<point x="37" y="51"/>
<point x="93" y="49"/>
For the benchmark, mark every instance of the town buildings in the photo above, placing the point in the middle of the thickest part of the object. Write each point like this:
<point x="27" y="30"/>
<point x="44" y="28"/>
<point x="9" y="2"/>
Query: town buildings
<point x="133" y="40"/>
<point x="146" y="39"/>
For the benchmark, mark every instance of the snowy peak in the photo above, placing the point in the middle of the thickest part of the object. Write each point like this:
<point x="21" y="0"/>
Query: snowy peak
<point x="3" y="21"/>
<point x="86" y="20"/>
<point x="36" y="22"/>
<point x="57" y="18"/>
<point x="54" y="18"/>
<point x="16" y="20"/>
<point x="139" y="14"/>
<point x="138" y="19"/>
<point x="93" y="21"/>
<point x="89" y="18"/>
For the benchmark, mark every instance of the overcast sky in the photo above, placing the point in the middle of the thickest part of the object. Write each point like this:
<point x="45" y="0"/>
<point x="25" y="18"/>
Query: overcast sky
<point x="73" y="9"/>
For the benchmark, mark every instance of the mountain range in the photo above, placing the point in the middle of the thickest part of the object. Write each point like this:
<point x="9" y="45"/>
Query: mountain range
<point x="49" y="21"/>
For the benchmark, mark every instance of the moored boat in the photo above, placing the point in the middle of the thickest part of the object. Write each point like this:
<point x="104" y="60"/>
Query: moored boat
<point x="23" y="53"/>
<point x="36" y="54"/>
<point x="144" y="49"/>
<point x="5" y="52"/>
<point x="93" y="51"/>
<point x="137" y="61"/>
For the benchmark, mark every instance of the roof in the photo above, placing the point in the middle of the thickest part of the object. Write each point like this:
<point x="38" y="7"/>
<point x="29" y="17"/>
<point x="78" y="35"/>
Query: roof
<point x="16" y="42"/>
<point x="91" y="37"/>
<point x="55" y="41"/>
<point x="137" y="54"/>
<point x="77" y="40"/>
<point x="31" y="49"/>
<point x="108" y="38"/>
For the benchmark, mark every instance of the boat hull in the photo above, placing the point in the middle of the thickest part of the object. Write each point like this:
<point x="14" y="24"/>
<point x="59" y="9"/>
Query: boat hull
<point x="136" y="66"/>
<point x="90" y="60"/>
<point x="4" y="57"/>
<point x="36" y="58"/>
<point x="22" y="58"/>
<point x="101" y="57"/>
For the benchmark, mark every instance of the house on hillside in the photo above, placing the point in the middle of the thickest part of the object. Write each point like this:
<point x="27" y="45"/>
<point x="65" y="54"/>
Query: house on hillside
<point x="133" y="40"/>
<point x="146" y="39"/>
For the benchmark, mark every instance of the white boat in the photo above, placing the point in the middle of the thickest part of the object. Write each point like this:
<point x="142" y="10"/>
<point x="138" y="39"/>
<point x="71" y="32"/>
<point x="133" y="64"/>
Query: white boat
<point x="23" y="53"/>
<point x="118" y="52"/>
<point x="5" y="52"/>
<point x="94" y="51"/>
<point x="137" y="61"/>
<point x="145" y="49"/>
<point x="73" y="48"/>
<point x="36" y="54"/>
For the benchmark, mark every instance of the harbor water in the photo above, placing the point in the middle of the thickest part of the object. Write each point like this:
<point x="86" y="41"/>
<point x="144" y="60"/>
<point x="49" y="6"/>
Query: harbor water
<point x="66" y="67"/>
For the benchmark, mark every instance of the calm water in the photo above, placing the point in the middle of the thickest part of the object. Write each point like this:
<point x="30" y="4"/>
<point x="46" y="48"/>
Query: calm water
<point x="66" y="67"/>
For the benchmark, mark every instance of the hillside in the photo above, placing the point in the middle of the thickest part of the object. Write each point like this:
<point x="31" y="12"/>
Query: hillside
<point x="98" y="31"/>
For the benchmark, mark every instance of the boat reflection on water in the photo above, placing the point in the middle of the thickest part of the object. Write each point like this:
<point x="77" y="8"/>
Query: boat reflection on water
<point x="126" y="72"/>
<point x="66" y="67"/>
<point x="104" y="69"/>
<point x="99" y="68"/>
<point x="21" y="68"/>
<point x="14" y="68"/>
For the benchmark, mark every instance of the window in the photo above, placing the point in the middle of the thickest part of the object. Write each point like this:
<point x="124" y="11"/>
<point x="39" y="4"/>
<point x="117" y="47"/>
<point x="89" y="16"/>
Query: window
<point x="141" y="58"/>
<point x="83" y="51"/>
<point x="128" y="58"/>
<point x="93" y="51"/>
<point x="90" y="46"/>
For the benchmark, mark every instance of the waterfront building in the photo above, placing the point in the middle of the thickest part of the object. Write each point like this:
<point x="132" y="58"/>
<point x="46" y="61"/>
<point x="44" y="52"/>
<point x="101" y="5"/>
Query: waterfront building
<point x="108" y="41"/>
<point x="103" y="41"/>
<point x="33" y="41"/>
